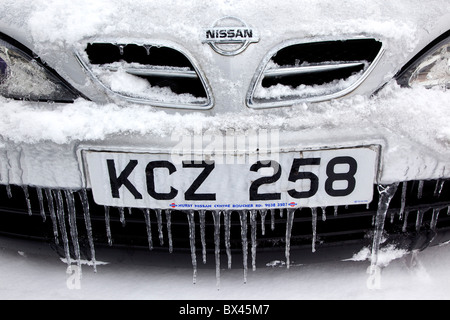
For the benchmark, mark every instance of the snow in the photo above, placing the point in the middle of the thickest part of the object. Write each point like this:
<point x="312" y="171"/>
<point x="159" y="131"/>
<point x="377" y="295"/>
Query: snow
<point x="131" y="275"/>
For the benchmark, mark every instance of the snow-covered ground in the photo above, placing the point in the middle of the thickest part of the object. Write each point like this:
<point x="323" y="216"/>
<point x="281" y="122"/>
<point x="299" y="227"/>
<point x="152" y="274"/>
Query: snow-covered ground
<point x="144" y="275"/>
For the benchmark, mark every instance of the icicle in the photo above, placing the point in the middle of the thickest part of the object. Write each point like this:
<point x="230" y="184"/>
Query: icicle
<point x="160" y="226"/>
<point x="438" y="188"/>
<point x="253" y="225"/>
<point x="405" y="221"/>
<point x="8" y="191"/>
<point x="314" y="228"/>
<point x="419" y="218"/>
<point x="448" y="210"/>
<point x="272" y="220"/>
<point x="62" y="225"/>
<point x="386" y="194"/>
<point x="243" y="219"/>
<point x="434" y="219"/>
<point x="190" y="216"/>
<point x="121" y="47"/>
<point x="70" y="201"/>
<point x="392" y="216"/>
<point x="324" y="214"/>
<point x="51" y="209"/>
<point x="227" y="222"/>
<point x="216" y="217"/>
<point x="263" y="214"/>
<point x="148" y="225"/>
<point x="202" y="234"/>
<point x="147" y="48"/>
<point x="130" y="211"/>
<point x="367" y="206"/>
<point x="289" y="223"/>
<point x="420" y="189"/>
<point x="281" y="213"/>
<point x="41" y="203"/>
<point x="403" y="199"/>
<point x="169" y="230"/>
<point x="122" y="216"/>
<point x="336" y="210"/>
<point x="87" y="222"/>
<point x="27" y="198"/>
<point x="108" y="226"/>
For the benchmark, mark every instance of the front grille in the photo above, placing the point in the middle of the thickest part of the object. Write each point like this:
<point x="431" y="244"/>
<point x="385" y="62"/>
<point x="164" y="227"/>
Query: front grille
<point x="316" y="71"/>
<point x="418" y="208"/>
<point x="152" y="74"/>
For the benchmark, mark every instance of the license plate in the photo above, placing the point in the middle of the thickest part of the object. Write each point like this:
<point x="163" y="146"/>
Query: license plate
<point x="315" y="178"/>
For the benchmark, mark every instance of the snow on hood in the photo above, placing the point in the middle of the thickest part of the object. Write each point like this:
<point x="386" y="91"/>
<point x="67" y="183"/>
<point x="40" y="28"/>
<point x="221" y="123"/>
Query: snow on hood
<point x="60" y="23"/>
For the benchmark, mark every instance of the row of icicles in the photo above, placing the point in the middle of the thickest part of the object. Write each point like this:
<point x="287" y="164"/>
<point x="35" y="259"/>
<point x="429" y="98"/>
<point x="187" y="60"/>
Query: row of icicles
<point x="57" y="204"/>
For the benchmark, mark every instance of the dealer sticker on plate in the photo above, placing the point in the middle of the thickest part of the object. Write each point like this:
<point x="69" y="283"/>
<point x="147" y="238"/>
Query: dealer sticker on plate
<point x="288" y="180"/>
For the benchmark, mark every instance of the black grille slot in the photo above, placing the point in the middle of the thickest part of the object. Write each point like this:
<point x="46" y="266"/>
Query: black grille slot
<point x="106" y="53"/>
<point x="160" y="66"/>
<point x="328" y="51"/>
<point x="421" y="208"/>
<point x="314" y="71"/>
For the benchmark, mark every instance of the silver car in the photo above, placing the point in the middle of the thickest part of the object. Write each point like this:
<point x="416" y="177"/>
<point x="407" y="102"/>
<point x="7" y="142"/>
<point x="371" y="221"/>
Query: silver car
<point x="227" y="125"/>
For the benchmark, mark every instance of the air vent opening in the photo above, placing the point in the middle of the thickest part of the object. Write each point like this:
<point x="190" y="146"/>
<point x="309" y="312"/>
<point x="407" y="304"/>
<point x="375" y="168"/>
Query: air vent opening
<point x="314" y="71"/>
<point x="158" y="75"/>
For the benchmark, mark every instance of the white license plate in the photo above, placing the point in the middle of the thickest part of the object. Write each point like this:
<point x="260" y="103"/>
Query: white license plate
<point x="283" y="180"/>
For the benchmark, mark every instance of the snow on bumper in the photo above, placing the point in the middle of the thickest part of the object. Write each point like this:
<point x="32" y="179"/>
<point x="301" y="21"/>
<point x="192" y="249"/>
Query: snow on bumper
<point x="40" y="143"/>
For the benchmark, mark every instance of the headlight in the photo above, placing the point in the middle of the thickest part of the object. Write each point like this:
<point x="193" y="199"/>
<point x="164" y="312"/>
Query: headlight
<point x="25" y="77"/>
<point x="430" y="68"/>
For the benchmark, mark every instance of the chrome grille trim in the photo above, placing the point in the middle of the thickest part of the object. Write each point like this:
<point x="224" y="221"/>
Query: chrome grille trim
<point x="187" y="71"/>
<point x="272" y="72"/>
<point x="269" y="70"/>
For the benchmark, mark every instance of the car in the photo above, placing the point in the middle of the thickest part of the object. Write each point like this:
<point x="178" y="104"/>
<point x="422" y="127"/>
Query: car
<point x="255" y="128"/>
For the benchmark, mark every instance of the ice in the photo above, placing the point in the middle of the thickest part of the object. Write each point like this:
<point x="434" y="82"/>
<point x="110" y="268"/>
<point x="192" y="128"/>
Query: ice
<point x="51" y="209"/>
<point x="70" y="201"/>
<point x="27" y="199"/>
<point x="160" y="226"/>
<point x="405" y="221"/>
<point x="289" y="223"/>
<point x="263" y="214"/>
<point x="434" y="218"/>
<point x="227" y="223"/>
<point x="122" y="215"/>
<point x="272" y="219"/>
<point x="324" y="213"/>
<point x="253" y="225"/>
<point x="191" y="222"/>
<point x="403" y="199"/>
<point x="202" y="234"/>
<point x="419" y="218"/>
<point x="216" y="216"/>
<point x="169" y="229"/>
<point x="108" y="226"/>
<point x="62" y="224"/>
<point x="148" y="225"/>
<point x="87" y="222"/>
<point x="420" y="189"/>
<point x="386" y="193"/>
<point x="41" y="203"/>
<point x="244" y="226"/>
<point x="8" y="191"/>
<point x="439" y="187"/>
<point x="314" y="228"/>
